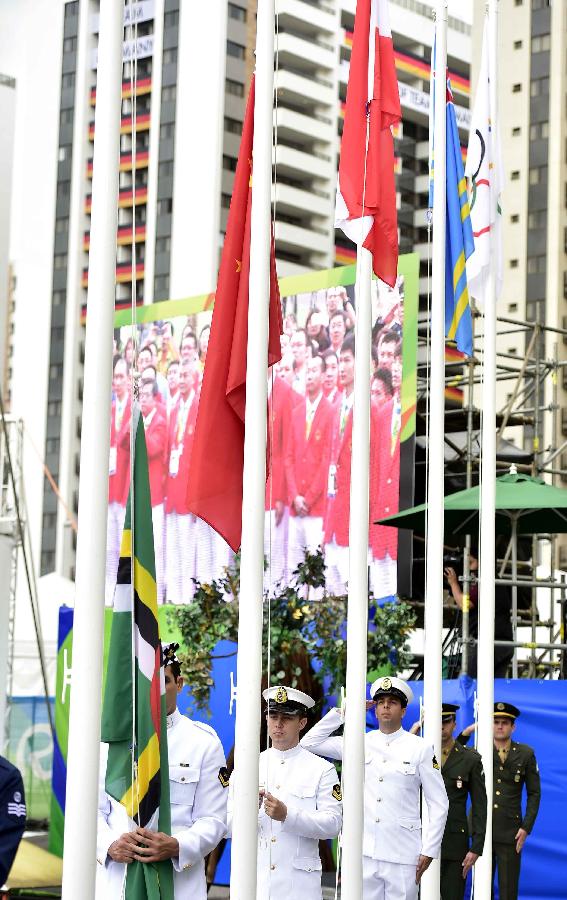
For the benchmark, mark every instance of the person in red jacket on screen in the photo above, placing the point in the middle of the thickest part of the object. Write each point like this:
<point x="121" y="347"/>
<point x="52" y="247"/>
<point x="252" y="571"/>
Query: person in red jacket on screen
<point x="155" y="426"/>
<point x="118" y="471"/>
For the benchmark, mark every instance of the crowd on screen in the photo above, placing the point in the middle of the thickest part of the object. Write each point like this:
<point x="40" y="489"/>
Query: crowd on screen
<point x="310" y="421"/>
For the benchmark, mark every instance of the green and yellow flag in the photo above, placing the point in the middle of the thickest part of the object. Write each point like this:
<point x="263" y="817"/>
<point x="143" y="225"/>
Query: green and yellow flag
<point x="134" y="716"/>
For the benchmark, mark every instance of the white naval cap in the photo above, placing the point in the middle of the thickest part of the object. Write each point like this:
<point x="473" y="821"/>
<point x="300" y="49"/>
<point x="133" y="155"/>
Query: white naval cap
<point x="395" y="687"/>
<point x="287" y="700"/>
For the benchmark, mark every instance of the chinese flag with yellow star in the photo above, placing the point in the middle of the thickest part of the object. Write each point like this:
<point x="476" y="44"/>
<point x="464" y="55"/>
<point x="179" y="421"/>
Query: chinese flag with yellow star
<point x="214" y="489"/>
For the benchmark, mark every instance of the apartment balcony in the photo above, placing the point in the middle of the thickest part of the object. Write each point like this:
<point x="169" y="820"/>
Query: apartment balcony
<point x="304" y="91"/>
<point x="124" y="236"/>
<point x="126" y="198"/>
<point x="291" y="161"/>
<point x="345" y="256"/>
<point x="123" y="274"/>
<point x="296" y="237"/>
<point x="291" y="199"/>
<point x="304" y="54"/>
<point x="308" y="18"/>
<point x="286" y="269"/>
<point x="142" y="86"/>
<point x="142" y="124"/>
<point x="295" y="125"/>
<point x="141" y="162"/>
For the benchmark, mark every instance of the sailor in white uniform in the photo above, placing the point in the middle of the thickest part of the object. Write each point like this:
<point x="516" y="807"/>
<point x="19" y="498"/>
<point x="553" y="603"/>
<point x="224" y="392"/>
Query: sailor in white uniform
<point x="396" y="850"/>
<point x="198" y="782"/>
<point x="299" y="803"/>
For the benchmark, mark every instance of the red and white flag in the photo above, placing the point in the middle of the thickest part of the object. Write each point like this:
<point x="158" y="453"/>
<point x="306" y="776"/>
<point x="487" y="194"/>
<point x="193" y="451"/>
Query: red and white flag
<point x="366" y="195"/>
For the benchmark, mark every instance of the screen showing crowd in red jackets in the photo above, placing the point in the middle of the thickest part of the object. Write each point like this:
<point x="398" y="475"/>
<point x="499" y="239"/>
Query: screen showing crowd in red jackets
<point x="310" y="393"/>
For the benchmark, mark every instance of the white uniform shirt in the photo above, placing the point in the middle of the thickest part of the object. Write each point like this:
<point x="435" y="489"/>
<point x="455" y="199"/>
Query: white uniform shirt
<point x="288" y="852"/>
<point x="396" y="767"/>
<point x="198" y="810"/>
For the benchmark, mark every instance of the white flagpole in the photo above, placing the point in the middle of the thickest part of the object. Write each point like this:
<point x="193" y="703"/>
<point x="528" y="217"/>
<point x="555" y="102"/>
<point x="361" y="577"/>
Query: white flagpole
<point x="79" y="860"/>
<point x="357" y="610"/>
<point x="485" y="674"/>
<point x="249" y="663"/>
<point x="435" y="481"/>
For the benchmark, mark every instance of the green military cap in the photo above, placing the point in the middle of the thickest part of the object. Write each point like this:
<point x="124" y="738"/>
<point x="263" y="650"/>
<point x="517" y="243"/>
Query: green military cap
<point x="506" y="709"/>
<point x="449" y="710"/>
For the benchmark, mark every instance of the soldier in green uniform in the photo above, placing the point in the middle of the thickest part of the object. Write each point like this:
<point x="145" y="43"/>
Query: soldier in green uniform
<point x="463" y="775"/>
<point x="514" y="766"/>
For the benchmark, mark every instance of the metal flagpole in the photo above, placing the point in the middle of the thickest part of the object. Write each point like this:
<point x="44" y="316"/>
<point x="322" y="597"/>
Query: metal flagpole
<point x="249" y="664"/>
<point x="357" y="609"/>
<point x="436" y="487"/>
<point x="485" y="675"/>
<point x="84" y="721"/>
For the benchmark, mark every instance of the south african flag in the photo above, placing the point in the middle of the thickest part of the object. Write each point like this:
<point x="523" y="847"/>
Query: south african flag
<point x="134" y="717"/>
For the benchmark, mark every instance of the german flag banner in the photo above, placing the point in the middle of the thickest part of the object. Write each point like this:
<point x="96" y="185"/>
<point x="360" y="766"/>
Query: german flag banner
<point x="134" y="716"/>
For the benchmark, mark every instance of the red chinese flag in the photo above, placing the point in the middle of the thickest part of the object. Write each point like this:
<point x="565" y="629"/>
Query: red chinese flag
<point x="214" y="490"/>
<point x="366" y="195"/>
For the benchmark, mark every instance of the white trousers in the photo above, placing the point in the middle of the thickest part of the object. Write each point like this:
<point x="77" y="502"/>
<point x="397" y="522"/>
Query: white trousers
<point x="388" y="881"/>
<point x="115" y="524"/>
<point x="275" y="549"/>
<point x="336" y="562"/>
<point x="158" y="520"/>
<point x="180" y="557"/>
<point x="305" y="533"/>
<point x="384" y="577"/>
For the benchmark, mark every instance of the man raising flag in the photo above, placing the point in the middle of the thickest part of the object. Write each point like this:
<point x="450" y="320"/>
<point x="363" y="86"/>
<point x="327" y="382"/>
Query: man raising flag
<point x="366" y="196"/>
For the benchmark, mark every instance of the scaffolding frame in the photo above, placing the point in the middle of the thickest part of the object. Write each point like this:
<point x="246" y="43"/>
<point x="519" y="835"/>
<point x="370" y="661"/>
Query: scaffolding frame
<point x="532" y="404"/>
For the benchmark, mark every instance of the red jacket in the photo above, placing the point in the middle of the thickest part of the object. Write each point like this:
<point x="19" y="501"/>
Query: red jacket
<point x="176" y="485"/>
<point x="338" y="507"/>
<point x="384" y="482"/>
<point x="307" y="459"/>
<point x="156" y="443"/>
<point x="279" y="415"/>
<point x="119" y="479"/>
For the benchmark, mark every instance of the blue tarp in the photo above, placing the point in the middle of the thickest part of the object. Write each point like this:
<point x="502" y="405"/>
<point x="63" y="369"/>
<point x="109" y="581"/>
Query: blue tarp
<point x="542" y="725"/>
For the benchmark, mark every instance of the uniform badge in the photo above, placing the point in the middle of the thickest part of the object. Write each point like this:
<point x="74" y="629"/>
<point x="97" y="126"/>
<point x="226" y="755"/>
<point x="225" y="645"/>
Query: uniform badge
<point x="500" y="706"/>
<point x="281" y="695"/>
<point x="224" y="776"/>
<point x="317" y="435"/>
<point x="459" y="782"/>
<point x="516" y="778"/>
<point x="337" y="793"/>
<point x="435" y="763"/>
<point x="17" y="796"/>
<point x="386" y="684"/>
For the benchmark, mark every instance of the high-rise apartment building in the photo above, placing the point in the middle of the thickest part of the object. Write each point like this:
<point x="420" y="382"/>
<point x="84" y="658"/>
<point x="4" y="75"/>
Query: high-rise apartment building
<point x="182" y="113"/>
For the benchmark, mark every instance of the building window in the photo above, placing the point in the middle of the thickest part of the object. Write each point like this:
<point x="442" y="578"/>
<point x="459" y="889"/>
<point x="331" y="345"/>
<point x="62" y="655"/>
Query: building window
<point x="536" y="265"/>
<point x="166" y="130"/>
<point x="538" y="175"/>
<point x="54" y="408"/>
<point x="539" y="131"/>
<point x="66" y="117"/>
<point x="68" y="80"/>
<point x="165" y="207"/>
<point x="512" y="307"/>
<point x="236" y="12"/>
<point x="540" y="4"/>
<point x="55" y="372"/>
<point x="514" y="218"/>
<point x="61" y="225"/>
<point x="59" y="298"/>
<point x="516" y="131"/>
<point x="171" y="19"/>
<point x="539" y="87"/>
<point x="225" y="200"/>
<point x="235" y="50"/>
<point x="165" y="169"/>
<point x="168" y="93"/>
<point x="69" y="45"/>
<point x="170" y="55"/>
<point x="229" y="163"/>
<point x="516" y="88"/>
<point x="515" y="175"/>
<point x="60" y="261"/>
<point x="233" y="126"/>
<point x="541" y="43"/>
<point x="234" y="87"/>
<point x="514" y="263"/>
<point x="518" y="45"/>
<point x="161" y="286"/>
<point x="163" y="245"/>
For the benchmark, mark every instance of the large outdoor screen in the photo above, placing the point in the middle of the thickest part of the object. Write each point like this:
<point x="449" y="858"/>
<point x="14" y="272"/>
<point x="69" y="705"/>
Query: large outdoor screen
<point x="311" y="395"/>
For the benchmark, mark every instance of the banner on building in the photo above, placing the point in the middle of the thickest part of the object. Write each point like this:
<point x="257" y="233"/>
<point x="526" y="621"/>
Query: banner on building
<point x="310" y="424"/>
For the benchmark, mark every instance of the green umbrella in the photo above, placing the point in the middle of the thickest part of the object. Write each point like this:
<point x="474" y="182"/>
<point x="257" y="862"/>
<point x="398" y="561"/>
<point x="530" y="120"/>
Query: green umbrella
<point x="524" y="505"/>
